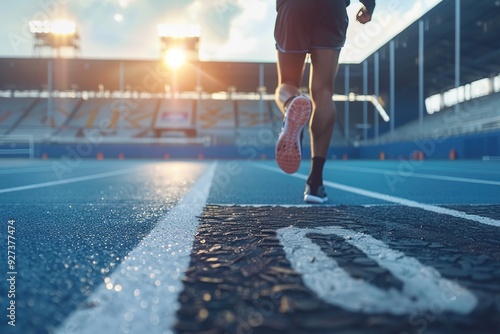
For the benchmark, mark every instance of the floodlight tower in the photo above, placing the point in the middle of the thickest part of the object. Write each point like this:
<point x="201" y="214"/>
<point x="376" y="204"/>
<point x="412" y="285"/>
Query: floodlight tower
<point x="179" y="45"/>
<point x="54" y="35"/>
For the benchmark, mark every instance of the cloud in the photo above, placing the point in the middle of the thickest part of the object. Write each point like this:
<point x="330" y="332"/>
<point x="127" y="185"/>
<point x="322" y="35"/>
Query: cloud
<point x="250" y="33"/>
<point x="215" y="17"/>
<point x="232" y="30"/>
<point x="235" y="29"/>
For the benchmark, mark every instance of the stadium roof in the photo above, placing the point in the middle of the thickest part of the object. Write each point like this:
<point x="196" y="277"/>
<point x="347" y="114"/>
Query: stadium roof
<point x="480" y="44"/>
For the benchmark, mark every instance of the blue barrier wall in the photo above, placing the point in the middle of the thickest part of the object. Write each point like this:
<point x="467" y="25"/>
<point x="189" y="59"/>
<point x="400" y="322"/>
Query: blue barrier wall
<point x="465" y="147"/>
<point x="248" y="152"/>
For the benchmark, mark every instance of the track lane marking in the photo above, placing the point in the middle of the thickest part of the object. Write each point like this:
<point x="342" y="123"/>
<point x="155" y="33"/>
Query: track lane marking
<point x="263" y="205"/>
<point x="42" y="168"/>
<point x="68" y="181"/>
<point x="393" y="199"/>
<point x="428" y="168"/>
<point x="415" y="175"/>
<point x="141" y="295"/>
<point x="423" y="287"/>
<point x="26" y="170"/>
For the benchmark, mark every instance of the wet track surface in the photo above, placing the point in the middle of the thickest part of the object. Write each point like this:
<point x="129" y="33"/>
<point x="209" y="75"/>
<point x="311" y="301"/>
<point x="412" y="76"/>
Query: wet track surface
<point x="240" y="279"/>
<point x="229" y="247"/>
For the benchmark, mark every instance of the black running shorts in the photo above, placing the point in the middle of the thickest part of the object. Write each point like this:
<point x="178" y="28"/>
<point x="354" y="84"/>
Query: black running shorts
<point x="303" y="25"/>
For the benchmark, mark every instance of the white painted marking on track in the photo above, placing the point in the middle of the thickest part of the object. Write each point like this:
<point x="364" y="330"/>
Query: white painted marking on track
<point x="397" y="200"/>
<point x="273" y="205"/>
<point x="423" y="287"/>
<point x="67" y="181"/>
<point x="26" y="170"/>
<point x="141" y="295"/>
<point x="416" y="175"/>
<point x="36" y="168"/>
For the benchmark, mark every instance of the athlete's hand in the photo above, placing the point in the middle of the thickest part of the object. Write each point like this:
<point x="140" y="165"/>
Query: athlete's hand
<point x="363" y="16"/>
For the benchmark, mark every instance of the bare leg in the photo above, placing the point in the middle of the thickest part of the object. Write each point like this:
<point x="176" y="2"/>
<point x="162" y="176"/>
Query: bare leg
<point x="324" y="71"/>
<point x="297" y="113"/>
<point x="290" y="71"/>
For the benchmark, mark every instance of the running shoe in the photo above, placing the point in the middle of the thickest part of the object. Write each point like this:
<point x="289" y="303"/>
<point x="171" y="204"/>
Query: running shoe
<point x="318" y="197"/>
<point x="288" y="148"/>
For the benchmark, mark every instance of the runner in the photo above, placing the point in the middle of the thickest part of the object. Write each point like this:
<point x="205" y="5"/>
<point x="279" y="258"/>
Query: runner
<point x="317" y="28"/>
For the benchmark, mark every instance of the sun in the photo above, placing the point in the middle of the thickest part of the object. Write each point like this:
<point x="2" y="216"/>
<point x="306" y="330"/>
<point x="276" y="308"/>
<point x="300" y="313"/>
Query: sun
<point x="174" y="58"/>
<point x="118" y="17"/>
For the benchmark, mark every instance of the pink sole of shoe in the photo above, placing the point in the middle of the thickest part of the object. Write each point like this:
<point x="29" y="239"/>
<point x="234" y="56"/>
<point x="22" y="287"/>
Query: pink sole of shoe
<point x="288" y="155"/>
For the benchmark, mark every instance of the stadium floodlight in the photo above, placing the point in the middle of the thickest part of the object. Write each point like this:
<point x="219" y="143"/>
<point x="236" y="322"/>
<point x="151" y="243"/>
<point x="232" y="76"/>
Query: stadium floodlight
<point x="174" y="58"/>
<point x="54" y="34"/>
<point x="59" y="27"/>
<point x="179" y="44"/>
<point x="63" y="27"/>
<point x="39" y="27"/>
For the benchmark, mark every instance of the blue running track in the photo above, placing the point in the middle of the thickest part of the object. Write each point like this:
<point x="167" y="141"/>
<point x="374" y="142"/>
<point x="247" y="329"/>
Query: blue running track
<point x="144" y="246"/>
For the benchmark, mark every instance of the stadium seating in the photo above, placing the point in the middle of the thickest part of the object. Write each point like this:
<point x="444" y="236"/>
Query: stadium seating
<point x="12" y="111"/>
<point x="217" y="119"/>
<point x="474" y="116"/>
<point x="112" y="117"/>
<point x="224" y="121"/>
<point x="37" y="122"/>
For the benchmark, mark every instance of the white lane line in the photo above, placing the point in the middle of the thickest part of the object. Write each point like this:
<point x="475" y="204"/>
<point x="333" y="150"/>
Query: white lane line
<point x="423" y="287"/>
<point x="394" y="173"/>
<point x="272" y="205"/>
<point x="40" y="168"/>
<point x="393" y="199"/>
<point x="26" y="170"/>
<point x="141" y="295"/>
<point x="67" y="181"/>
<point x="426" y="167"/>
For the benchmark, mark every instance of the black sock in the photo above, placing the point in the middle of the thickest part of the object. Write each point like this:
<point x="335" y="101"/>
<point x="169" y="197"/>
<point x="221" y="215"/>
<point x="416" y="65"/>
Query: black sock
<point x="316" y="175"/>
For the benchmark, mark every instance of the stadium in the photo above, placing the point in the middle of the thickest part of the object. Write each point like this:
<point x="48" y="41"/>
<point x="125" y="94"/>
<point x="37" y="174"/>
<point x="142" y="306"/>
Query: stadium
<point x="143" y="195"/>
<point x="218" y="104"/>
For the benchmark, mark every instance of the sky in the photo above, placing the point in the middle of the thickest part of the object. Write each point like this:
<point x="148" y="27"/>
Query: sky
<point x="231" y="30"/>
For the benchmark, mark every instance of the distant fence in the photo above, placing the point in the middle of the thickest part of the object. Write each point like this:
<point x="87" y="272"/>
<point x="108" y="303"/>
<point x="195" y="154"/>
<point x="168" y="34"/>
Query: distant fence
<point x="17" y="146"/>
